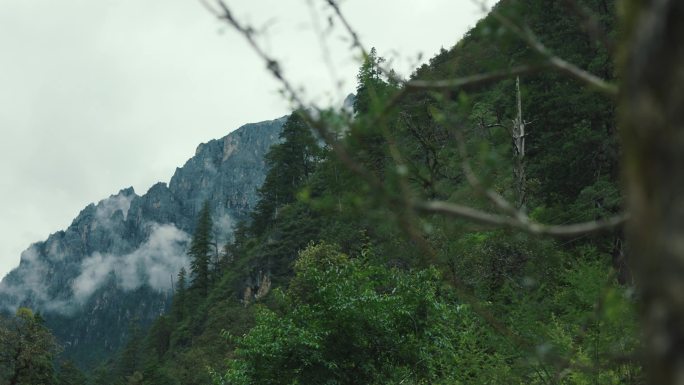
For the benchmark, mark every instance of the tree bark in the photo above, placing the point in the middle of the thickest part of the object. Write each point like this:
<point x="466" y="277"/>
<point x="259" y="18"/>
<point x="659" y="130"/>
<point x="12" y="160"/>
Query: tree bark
<point x="652" y="128"/>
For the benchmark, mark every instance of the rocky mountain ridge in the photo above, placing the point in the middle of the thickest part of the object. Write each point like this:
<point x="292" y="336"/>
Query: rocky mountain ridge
<point x="115" y="265"/>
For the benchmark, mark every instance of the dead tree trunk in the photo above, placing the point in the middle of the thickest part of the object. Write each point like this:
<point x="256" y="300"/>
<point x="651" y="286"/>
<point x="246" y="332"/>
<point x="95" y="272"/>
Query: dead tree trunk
<point x="652" y="128"/>
<point x="518" y="135"/>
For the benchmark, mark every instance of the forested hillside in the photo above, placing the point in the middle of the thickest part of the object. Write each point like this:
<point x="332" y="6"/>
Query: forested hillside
<point x="337" y="277"/>
<point x="112" y="271"/>
<point x="333" y="280"/>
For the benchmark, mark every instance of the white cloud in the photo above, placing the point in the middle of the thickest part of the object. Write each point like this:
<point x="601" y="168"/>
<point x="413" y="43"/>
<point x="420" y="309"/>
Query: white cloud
<point x="114" y="203"/>
<point x="32" y="285"/>
<point x="155" y="263"/>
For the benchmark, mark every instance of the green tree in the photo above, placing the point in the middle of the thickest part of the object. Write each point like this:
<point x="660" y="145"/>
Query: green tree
<point x="130" y="356"/>
<point x="345" y="321"/>
<point x="27" y="349"/>
<point x="201" y="250"/>
<point x="101" y="375"/>
<point x="371" y="86"/>
<point x="179" y="300"/>
<point x="69" y="374"/>
<point x="495" y="306"/>
<point x="290" y="164"/>
<point x="368" y="139"/>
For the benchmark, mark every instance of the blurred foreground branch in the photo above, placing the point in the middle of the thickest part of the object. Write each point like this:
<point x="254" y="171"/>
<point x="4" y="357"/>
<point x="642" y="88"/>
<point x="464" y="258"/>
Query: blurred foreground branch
<point x="519" y="221"/>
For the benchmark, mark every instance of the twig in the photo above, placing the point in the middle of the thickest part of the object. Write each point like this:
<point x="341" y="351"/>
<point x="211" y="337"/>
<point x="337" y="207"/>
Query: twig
<point x="591" y="24"/>
<point x="356" y="42"/>
<point x="561" y="65"/>
<point x="490" y="77"/>
<point x="441" y="207"/>
<point x="325" y="50"/>
<point x="558" y="231"/>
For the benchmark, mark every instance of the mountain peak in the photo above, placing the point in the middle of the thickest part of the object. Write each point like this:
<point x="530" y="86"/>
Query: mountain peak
<point x="117" y="260"/>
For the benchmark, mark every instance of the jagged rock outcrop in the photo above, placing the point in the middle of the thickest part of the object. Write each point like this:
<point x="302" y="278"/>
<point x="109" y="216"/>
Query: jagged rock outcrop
<point x="115" y="264"/>
<point x="226" y="172"/>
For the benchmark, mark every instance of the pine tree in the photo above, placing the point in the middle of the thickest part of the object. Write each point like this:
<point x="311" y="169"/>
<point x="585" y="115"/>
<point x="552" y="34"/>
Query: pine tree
<point x="290" y="165"/>
<point x="372" y="91"/>
<point x="200" y="250"/>
<point x="370" y="86"/>
<point x="129" y="359"/>
<point x="178" y="307"/>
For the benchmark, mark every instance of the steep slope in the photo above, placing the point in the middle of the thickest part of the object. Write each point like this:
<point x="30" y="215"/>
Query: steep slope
<point x="115" y="264"/>
<point x="538" y="290"/>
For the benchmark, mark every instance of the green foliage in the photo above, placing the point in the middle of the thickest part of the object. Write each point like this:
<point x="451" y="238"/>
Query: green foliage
<point x="371" y="86"/>
<point x="69" y="374"/>
<point x="345" y="321"/>
<point x="403" y="299"/>
<point x="130" y="358"/>
<point x="179" y="305"/>
<point x="200" y="251"/>
<point x="290" y="165"/>
<point x="27" y="350"/>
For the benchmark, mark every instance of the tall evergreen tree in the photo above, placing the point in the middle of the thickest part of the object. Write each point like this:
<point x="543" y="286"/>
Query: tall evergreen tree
<point x="200" y="250"/>
<point x="178" y="307"/>
<point x="370" y="85"/>
<point x="372" y="91"/>
<point x="290" y="165"/>
<point x="129" y="359"/>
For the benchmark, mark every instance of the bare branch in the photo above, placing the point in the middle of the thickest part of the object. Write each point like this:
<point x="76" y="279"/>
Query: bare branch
<point x="558" y="231"/>
<point x="589" y="79"/>
<point x="591" y="24"/>
<point x="561" y="65"/>
<point x="356" y="42"/>
<point x="407" y="206"/>
<point x="475" y="182"/>
<point x="320" y="126"/>
<point x="448" y="84"/>
<point x="325" y="50"/>
<point x="516" y="221"/>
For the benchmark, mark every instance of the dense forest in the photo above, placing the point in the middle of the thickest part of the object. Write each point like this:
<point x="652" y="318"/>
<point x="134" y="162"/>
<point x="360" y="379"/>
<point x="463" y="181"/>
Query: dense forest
<point x="338" y="277"/>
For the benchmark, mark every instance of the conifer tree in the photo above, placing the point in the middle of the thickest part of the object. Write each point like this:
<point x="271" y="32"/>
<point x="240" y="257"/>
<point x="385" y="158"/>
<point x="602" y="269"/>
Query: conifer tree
<point x="200" y="250"/>
<point x="129" y="359"/>
<point x="290" y="165"/>
<point x="370" y="83"/>
<point x="179" y="299"/>
<point x="372" y="91"/>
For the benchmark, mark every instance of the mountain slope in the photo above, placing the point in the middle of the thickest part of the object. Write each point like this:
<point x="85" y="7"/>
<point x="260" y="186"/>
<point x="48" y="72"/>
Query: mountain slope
<point x="115" y="264"/>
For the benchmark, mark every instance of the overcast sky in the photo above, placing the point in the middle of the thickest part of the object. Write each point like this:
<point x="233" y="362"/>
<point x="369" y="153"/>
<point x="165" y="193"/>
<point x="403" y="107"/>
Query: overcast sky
<point x="99" y="95"/>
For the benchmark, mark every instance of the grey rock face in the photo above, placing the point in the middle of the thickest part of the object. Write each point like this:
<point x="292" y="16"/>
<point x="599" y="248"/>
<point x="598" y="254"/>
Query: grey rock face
<point x="226" y="172"/>
<point x="116" y="262"/>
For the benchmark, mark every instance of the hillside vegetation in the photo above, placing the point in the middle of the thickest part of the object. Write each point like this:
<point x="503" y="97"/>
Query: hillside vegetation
<point x="333" y="279"/>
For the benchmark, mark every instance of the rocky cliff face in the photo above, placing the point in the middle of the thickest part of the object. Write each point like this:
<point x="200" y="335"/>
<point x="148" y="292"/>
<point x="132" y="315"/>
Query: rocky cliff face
<point x="116" y="263"/>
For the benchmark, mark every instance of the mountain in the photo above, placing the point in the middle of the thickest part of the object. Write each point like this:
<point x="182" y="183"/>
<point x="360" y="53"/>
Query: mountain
<point x="115" y="265"/>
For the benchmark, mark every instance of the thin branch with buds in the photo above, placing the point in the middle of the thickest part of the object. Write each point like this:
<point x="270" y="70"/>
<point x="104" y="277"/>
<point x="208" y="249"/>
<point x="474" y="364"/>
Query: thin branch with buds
<point x="554" y="61"/>
<point x="409" y="206"/>
<point x="517" y="220"/>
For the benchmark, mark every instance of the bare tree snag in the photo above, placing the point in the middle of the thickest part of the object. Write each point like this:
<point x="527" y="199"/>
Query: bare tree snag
<point x="518" y="135"/>
<point x="652" y="128"/>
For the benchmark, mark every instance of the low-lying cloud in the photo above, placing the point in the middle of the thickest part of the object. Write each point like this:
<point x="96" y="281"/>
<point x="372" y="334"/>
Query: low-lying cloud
<point x="155" y="263"/>
<point x="107" y="207"/>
